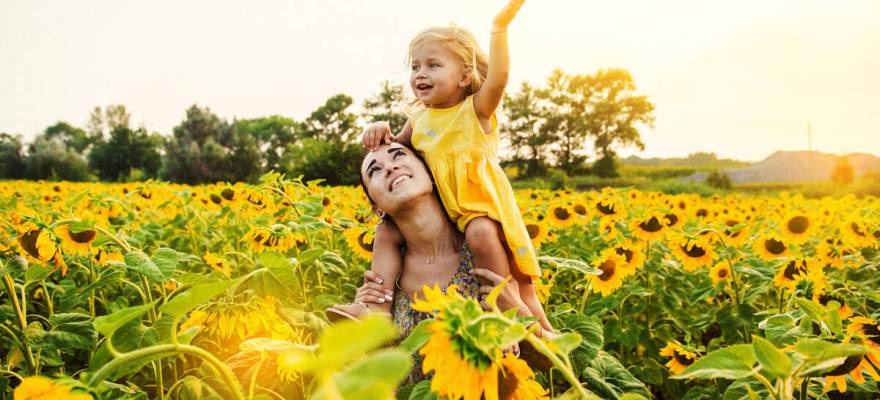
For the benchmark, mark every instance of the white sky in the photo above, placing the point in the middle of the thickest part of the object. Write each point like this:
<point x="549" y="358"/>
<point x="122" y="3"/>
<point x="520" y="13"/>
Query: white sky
<point x="740" y="78"/>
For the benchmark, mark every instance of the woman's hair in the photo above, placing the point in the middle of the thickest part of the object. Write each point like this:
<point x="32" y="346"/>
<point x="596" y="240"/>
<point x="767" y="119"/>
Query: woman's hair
<point x="463" y="45"/>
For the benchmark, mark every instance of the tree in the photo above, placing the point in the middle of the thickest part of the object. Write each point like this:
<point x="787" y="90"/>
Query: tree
<point x="102" y="122"/>
<point x="199" y="148"/>
<point x="332" y="122"/>
<point x="387" y="105"/>
<point x="74" y="138"/>
<point x="271" y="134"/>
<point x="562" y="109"/>
<point x="523" y="130"/>
<point x="126" y="150"/>
<point x="11" y="161"/>
<point x="614" y="113"/>
<point x="843" y="173"/>
<point x="49" y="158"/>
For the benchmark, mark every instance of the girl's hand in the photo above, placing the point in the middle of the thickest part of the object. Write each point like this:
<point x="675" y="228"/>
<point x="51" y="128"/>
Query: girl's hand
<point x="502" y="20"/>
<point x="509" y="296"/>
<point x="372" y="290"/>
<point x="376" y="134"/>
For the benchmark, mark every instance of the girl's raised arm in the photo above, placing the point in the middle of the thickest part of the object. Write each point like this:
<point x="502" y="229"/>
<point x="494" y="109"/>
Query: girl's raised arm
<point x="486" y="99"/>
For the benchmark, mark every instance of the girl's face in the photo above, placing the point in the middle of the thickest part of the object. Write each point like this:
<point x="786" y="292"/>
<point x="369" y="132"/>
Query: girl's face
<point x="437" y="77"/>
<point x="393" y="176"/>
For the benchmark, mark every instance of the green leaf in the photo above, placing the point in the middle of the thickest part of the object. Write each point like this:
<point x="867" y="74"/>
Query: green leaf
<point x="813" y="309"/>
<point x="165" y="260"/>
<point x="70" y="331"/>
<point x="194" y="389"/>
<point x="38" y="273"/>
<point x="608" y="378"/>
<point x="345" y="341"/>
<point x="777" y="327"/>
<point x="557" y="263"/>
<point x="772" y="360"/>
<point x="567" y="342"/>
<point x="138" y="262"/>
<point x="822" y="356"/>
<point x="107" y="324"/>
<point x="193" y="297"/>
<point x="310" y="255"/>
<point x="372" y="378"/>
<point x="733" y="362"/>
<point x="417" y="338"/>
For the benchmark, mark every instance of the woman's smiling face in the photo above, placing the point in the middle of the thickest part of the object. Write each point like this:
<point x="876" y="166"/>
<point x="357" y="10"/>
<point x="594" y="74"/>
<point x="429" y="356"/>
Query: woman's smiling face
<point x="393" y="175"/>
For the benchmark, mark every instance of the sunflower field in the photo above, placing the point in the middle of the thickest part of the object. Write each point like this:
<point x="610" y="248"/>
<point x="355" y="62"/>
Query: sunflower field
<point x="161" y="291"/>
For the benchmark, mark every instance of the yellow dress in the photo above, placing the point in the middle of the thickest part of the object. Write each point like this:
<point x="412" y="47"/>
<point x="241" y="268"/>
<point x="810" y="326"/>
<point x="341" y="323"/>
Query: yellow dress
<point x="471" y="183"/>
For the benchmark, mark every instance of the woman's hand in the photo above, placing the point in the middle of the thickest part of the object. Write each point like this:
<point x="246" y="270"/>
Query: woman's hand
<point x="376" y="134"/>
<point x="509" y="296"/>
<point x="372" y="291"/>
<point x="502" y="20"/>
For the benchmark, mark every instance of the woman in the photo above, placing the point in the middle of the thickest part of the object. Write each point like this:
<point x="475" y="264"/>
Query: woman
<point x="436" y="252"/>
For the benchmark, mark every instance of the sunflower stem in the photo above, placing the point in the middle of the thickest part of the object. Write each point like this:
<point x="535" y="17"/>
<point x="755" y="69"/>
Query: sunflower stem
<point x="559" y="364"/>
<point x="22" y="323"/>
<point x="770" y="388"/>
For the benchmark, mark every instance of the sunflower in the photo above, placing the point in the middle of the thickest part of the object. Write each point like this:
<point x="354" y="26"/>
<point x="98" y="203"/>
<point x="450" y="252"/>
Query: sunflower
<point x="37" y="244"/>
<point x="276" y="237"/>
<point x="788" y="274"/>
<point x="844" y="311"/>
<point x="76" y="241"/>
<point x="674" y="219"/>
<point x="681" y="357"/>
<point x="855" y="233"/>
<point x="607" y="207"/>
<point x="518" y="380"/>
<point x="462" y="367"/>
<point x="360" y="240"/>
<point x="720" y="272"/>
<point x="102" y="256"/>
<point x="537" y="231"/>
<point x="543" y="285"/>
<point x="693" y="251"/>
<point x="853" y="366"/>
<point x="867" y="330"/>
<point x="633" y="254"/>
<point x="42" y="388"/>
<point x="797" y="227"/>
<point x="608" y="229"/>
<point x="561" y="216"/>
<point x="831" y="252"/>
<point x="218" y="264"/>
<point x="770" y="247"/>
<point x="734" y="230"/>
<point x="612" y="266"/>
<point x="650" y="227"/>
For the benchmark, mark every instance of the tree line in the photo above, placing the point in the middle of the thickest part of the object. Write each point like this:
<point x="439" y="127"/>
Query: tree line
<point x="564" y="124"/>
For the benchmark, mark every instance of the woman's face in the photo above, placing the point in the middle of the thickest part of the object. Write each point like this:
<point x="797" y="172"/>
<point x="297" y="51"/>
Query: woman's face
<point x="393" y="176"/>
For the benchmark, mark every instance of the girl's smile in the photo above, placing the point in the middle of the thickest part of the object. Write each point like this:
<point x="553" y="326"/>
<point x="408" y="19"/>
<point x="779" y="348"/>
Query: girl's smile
<point x="437" y="78"/>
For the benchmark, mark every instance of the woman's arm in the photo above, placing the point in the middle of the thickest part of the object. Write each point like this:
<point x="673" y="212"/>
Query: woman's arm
<point x="486" y="99"/>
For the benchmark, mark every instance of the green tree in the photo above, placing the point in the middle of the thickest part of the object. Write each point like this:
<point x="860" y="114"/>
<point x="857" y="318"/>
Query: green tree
<point x="11" y="161"/>
<point x="127" y="149"/>
<point x="49" y="158"/>
<point x="198" y="150"/>
<point x="563" y="111"/>
<point x="524" y="132"/>
<point x="613" y="114"/>
<point x="843" y="173"/>
<point x="272" y="135"/>
<point x="103" y="121"/>
<point x="387" y="105"/>
<point x="75" y="139"/>
<point x="332" y="121"/>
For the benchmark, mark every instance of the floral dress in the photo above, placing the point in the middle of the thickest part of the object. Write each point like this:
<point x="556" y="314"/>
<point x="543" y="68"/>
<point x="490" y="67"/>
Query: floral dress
<point x="406" y="319"/>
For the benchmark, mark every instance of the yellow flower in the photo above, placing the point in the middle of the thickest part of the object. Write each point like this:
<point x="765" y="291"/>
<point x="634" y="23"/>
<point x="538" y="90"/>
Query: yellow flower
<point x="516" y="374"/>
<point x="720" y="272"/>
<point x="852" y="366"/>
<point x="868" y="330"/>
<point x="843" y="312"/>
<point x="855" y="233"/>
<point x="681" y="356"/>
<point x="76" y="241"/>
<point x="797" y="227"/>
<point x="537" y="231"/>
<point x="693" y="252"/>
<point x="561" y="216"/>
<point x="612" y="266"/>
<point x="218" y="263"/>
<point x="360" y="241"/>
<point x="43" y="388"/>
<point x="770" y="248"/>
<point x="650" y="227"/>
<point x="38" y="244"/>
<point x="633" y="254"/>
<point x="734" y="231"/>
<point x="276" y="237"/>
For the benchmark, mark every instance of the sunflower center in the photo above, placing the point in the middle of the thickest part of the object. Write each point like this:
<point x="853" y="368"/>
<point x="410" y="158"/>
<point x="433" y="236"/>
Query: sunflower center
<point x="798" y="224"/>
<point x="682" y="359"/>
<point x="608" y="268"/>
<point x="561" y="213"/>
<point x="722" y="273"/>
<point x="872" y="332"/>
<point x="682" y="205"/>
<point x="533" y="230"/>
<point x="28" y="242"/>
<point x="672" y="218"/>
<point x="85" y="236"/>
<point x="793" y="269"/>
<point x="580" y="209"/>
<point x="694" y="252"/>
<point x="215" y="199"/>
<point x="825" y="298"/>
<point x="362" y="242"/>
<point x="325" y="201"/>
<point x="856" y="229"/>
<point x="626" y="253"/>
<point x="227" y="194"/>
<point x="651" y="225"/>
<point x="607" y="210"/>
<point x="774" y="246"/>
<point x="848" y="365"/>
<point x="702" y="212"/>
<point x="730" y="224"/>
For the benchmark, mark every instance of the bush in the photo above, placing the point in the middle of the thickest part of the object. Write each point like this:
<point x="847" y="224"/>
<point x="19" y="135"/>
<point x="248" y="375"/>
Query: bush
<point x="51" y="160"/>
<point x="719" y="180"/>
<point x="336" y="162"/>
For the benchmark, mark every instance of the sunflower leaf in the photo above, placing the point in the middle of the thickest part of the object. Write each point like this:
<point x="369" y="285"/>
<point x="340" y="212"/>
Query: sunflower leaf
<point x="194" y="296"/>
<point x="732" y="362"/>
<point x="772" y="360"/>
<point x="419" y="336"/>
<point x="107" y="324"/>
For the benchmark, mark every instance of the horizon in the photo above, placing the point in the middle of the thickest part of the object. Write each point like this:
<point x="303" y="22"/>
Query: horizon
<point x="755" y="76"/>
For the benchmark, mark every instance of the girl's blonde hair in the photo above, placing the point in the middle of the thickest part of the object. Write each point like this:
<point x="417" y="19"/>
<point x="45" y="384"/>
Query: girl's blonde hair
<point x="460" y="43"/>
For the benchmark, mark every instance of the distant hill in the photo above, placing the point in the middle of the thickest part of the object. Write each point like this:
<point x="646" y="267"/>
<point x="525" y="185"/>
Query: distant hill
<point x="699" y="160"/>
<point x="796" y="166"/>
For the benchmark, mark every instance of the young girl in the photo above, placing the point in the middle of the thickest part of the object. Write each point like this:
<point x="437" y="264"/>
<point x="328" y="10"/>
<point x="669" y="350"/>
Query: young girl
<point x="454" y="130"/>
